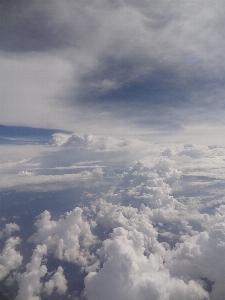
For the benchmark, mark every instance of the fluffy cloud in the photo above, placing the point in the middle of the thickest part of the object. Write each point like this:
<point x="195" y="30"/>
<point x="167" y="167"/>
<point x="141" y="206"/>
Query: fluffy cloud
<point x="69" y="239"/>
<point x="57" y="281"/>
<point x="9" y="228"/>
<point x="201" y="257"/>
<point x="30" y="284"/>
<point x="129" y="274"/>
<point x="144" y="183"/>
<point x="10" y="259"/>
<point x="155" y="230"/>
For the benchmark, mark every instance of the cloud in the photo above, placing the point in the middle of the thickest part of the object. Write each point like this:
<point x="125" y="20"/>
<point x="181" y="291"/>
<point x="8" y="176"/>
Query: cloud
<point x="35" y="80"/>
<point x="200" y="256"/>
<point x="116" y="68"/>
<point x="9" y="228"/>
<point x="10" y="259"/>
<point x="67" y="161"/>
<point x="57" y="282"/>
<point x="143" y="184"/>
<point x="30" y="284"/>
<point x="129" y="274"/>
<point x="29" y="181"/>
<point x="68" y="239"/>
<point x="149" y="228"/>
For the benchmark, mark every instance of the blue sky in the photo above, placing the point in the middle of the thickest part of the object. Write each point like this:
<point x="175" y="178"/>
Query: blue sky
<point x="141" y="68"/>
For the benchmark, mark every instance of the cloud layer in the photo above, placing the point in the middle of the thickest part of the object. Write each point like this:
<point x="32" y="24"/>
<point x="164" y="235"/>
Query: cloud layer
<point x="103" y="67"/>
<point x="153" y="227"/>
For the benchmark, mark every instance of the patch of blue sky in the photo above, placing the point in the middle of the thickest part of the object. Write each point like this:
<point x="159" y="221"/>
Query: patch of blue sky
<point x="21" y="135"/>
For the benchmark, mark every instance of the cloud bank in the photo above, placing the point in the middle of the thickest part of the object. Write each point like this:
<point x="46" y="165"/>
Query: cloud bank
<point x="153" y="227"/>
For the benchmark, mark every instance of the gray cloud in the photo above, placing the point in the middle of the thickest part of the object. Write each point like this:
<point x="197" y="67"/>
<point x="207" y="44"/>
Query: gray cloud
<point x="131" y="61"/>
<point x="179" y="44"/>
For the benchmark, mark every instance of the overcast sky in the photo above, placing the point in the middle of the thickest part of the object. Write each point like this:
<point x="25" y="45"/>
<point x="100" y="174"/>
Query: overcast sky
<point x="114" y="67"/>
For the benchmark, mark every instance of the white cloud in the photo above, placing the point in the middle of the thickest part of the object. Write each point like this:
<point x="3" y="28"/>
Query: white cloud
<point x="157" y="231"/>
<point x="34" y="182"/>
<point x="201" y="257"/>
<point x="69" y="239"/>
<point x="30" y="284"/>
<point x="129" y="274"/>
<point x="25" y="167"/>
<point x="57" y="281"/>
<point x="10" y="259"/>
<point x="146" y="182"/>
<point x="9" y="228"/>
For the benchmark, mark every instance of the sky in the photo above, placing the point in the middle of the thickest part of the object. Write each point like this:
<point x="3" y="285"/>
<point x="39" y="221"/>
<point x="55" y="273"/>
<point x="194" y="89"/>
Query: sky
<point x="112" y="157"/>
<point x="114" y="67"/>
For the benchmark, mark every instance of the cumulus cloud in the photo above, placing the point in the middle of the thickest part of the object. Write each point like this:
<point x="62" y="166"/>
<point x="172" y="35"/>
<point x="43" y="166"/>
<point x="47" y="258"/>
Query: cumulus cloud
<point x="10" y="259"/>
<point x="9" y="228"/>
<point x="201" y="257"/>
<point x="139" y="239"/>
<point x="69" y="239"/>
<point x="30" y="284"/>
<point x="155" y="228"/>
<point x="145" y="184"/>
<point x="90" y="142"/>
<point x="57" y="281"/>
<point x="129" y="274"/>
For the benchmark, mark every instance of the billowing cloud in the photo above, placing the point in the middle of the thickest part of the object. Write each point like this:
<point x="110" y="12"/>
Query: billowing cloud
<point x="153" y="227"/>
<point x="10" y="259"/>
<point x="30" y="284"/>
<point x="129" y="274"/>
<point x="68" y="239"/>
<point x="57" y="282"/>
<point x="200" y="257"/>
